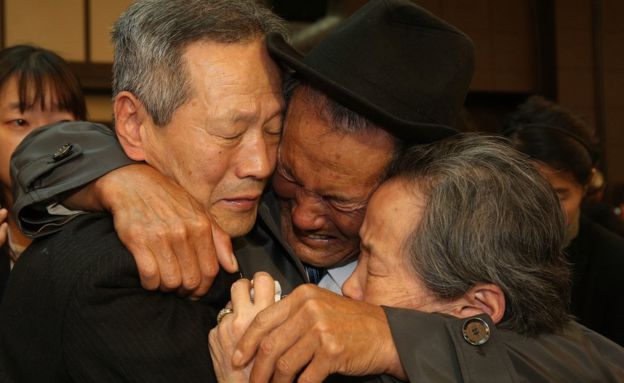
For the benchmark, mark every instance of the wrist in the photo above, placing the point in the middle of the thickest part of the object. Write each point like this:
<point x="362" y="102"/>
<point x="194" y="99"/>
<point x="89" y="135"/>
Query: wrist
<point x="393" y="364"/>
<point x="102" y="192"/>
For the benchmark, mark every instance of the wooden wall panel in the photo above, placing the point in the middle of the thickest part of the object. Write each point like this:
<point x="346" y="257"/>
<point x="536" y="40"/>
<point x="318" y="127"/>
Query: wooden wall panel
<point x="504" y="38"/>
<point x="103" y="14"/>
<point x="100" y="108"/>
<point x="57" y="25"/>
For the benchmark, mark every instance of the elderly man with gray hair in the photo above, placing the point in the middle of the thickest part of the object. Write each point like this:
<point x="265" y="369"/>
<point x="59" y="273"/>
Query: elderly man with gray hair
<point x="197" y="97"/>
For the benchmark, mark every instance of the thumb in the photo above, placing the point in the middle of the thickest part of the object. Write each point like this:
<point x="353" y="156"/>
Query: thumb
<point x="223" y="247"/>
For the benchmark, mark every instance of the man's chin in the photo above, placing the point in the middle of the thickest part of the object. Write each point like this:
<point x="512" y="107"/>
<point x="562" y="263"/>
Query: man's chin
<point x="236" y="224"/>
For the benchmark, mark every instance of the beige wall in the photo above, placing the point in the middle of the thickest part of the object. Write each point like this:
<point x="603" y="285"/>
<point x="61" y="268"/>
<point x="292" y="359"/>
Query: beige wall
<point x="99" y="108"/>
<point x="54" y="24"/>
<point x="103" y="14"/>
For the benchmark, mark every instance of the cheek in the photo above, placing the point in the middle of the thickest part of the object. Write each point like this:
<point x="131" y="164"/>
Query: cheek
<point x="209" y="173"/>
<point x="572" y="207"/>
<point x="349" y="225"/>
<point x="283" y="188"/>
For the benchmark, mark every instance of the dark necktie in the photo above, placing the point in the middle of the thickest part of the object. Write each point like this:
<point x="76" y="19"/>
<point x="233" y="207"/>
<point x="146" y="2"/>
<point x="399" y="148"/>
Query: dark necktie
<point x="315" y="273"/>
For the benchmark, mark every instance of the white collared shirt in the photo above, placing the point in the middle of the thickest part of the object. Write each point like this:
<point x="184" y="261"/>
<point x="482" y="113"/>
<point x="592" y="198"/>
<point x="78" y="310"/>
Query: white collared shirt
<point x="336" y="277"/>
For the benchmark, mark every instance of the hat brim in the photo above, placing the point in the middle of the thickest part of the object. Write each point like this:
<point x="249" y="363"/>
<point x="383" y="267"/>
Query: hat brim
<point x="416" y="132"/>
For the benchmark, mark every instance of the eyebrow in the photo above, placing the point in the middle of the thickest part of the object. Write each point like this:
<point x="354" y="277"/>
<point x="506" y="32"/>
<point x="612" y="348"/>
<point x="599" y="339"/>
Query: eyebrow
<point x="237" y="116"/>
<point x="242" y="116"/>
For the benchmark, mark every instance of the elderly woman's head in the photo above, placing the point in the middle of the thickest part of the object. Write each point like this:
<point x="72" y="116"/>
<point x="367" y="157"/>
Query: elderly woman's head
<point x="464" y="227"/>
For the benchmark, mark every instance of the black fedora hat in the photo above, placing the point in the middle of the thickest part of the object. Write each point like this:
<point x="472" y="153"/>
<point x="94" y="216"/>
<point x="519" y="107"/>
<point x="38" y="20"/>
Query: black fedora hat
<point x="394" y="63"/>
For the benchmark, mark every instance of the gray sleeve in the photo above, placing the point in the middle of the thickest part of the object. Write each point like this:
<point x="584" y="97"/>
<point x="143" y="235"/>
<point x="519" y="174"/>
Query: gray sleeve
<point x="54" y="160"/>
<point x="432" y="348"/>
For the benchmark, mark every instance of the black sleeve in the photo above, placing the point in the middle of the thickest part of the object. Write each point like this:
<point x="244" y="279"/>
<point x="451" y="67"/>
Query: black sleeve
<point x="54" y="160"/>
<point x="74" y="310"/>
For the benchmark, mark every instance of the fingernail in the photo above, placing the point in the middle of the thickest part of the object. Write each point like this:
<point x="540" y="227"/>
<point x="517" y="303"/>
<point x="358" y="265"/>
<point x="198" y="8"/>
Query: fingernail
<point x="234" y="262"/>
<point x="237" y="358"/>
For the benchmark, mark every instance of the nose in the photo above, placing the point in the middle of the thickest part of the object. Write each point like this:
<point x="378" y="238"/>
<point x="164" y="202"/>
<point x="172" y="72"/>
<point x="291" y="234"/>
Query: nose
<point x="352" y="287"/>
<point x="258" y="159"/>
<point x="308" y="211"/>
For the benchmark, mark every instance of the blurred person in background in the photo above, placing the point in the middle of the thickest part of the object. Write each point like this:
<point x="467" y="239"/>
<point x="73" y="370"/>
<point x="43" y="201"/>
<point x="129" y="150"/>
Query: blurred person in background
<point x="561" y="146"/>
<point x="37" y="88"/>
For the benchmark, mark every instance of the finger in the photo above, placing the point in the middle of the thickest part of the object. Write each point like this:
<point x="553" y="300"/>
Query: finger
<point x="264" y="290"/>
<point x="316" y="371"/>
<point x="148" y="268"/>
<point x="240" y="295"/>
<point x="170" y="274"/>
<point x="188" y="263"/>
<point x="223" y="248"/>
<point x="294" y="359"/>
<point x="133" y="235"/>
<point x="272" y="333"/>
<point x="205" y="252"/>
<point x="265" y="322"/>
<point x="4" y="228"/>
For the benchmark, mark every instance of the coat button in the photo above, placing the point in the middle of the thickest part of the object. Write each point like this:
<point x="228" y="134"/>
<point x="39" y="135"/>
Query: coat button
<point x="476" y="331"/>
<point x="62" y="152"/>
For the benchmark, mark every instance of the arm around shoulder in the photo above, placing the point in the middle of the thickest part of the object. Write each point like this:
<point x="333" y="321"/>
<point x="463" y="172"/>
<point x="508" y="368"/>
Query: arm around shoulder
<point x="55" y="160"/>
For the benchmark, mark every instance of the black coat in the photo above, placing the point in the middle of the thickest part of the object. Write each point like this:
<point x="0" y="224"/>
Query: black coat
<point x="74" y="310"/>
<point x="5" y="269"/>
<point x="597" y="257"/>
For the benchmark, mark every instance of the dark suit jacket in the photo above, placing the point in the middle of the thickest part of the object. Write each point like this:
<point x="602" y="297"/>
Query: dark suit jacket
<point x="597" y="257"/>
<point x="74" y="310"/>
<point x="5" y="269"/>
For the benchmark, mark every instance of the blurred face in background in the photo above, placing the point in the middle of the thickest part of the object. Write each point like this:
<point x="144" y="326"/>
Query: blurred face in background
<point x="570" y="194"/>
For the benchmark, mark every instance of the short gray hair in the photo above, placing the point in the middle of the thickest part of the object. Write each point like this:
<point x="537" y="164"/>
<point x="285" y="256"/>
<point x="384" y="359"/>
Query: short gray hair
<point x="339" y="118"/>
<point x="489" y="218"/>
<point x="151" y="35"/>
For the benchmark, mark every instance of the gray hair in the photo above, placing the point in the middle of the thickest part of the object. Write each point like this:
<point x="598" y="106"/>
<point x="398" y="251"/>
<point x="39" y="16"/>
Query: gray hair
<point x="151" y="35"/>
<point x="489" y="218"/>
<point x="338" y="117"/>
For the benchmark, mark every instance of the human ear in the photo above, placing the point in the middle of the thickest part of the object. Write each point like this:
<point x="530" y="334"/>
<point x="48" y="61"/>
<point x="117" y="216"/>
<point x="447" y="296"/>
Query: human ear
<point x="129" y="124"/>
<point x="482" y="298"/>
